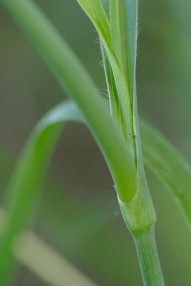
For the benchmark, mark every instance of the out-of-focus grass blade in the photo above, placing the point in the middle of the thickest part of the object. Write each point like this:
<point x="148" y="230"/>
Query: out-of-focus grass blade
<point x="27" y="178"/>
<point x="169" y="166"/>
<point x="48" y="265"/>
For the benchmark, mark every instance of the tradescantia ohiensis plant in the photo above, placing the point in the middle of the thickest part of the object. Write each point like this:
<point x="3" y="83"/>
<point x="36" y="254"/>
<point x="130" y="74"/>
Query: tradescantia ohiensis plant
<point x="116" y="132"/>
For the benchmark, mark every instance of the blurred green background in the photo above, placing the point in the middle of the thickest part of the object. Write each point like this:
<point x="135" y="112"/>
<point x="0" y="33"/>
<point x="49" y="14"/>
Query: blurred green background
<point x="78" y="214"/>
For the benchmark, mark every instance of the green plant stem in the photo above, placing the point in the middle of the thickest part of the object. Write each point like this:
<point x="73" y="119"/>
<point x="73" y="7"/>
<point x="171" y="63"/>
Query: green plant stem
<point x="148" y="258"/>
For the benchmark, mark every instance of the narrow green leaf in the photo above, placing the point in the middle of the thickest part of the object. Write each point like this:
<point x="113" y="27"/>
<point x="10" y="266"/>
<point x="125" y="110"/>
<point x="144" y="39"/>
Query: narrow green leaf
<point x="169" y="166"/>
<point x="130" y="30"/>
<point x="131" y="8"/>
<point x="80" y="87"/>
<point x="124" y="22"/>
<point x="23" y="191"/>
<point x="118" y="33"/>
<point x="120" y="81"/>
<point x="112" y="90"/>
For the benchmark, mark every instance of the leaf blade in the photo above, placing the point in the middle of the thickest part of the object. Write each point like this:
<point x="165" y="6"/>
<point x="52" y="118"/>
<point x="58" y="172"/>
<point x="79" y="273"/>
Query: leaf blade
<point x="168" y="166"/>
<point x="120" y="80"/>
<point x="27" y="179"/>
<point x="131" y="8"/>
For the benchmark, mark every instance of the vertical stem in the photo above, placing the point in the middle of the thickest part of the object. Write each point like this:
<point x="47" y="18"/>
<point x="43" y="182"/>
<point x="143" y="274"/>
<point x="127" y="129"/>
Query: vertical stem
<point x="148" y="258"/>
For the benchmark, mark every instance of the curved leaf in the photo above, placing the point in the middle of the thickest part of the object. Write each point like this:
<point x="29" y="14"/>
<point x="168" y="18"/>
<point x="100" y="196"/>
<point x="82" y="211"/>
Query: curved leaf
<point x="23" y="190"/>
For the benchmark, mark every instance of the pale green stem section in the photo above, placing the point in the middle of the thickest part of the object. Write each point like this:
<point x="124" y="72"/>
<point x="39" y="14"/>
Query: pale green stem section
<point x="148" y="258"/>
<point x="140" y="218"/>
<point x="80" y="87"/>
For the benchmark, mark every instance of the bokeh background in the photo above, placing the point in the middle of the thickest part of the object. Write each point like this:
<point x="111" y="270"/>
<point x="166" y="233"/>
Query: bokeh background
<point x="78" y="214"/>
